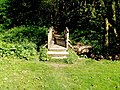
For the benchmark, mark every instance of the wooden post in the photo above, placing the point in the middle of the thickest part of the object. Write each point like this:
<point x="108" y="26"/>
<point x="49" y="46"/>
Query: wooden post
<point x="50" y="37"/>
<point x="66" y="32"/>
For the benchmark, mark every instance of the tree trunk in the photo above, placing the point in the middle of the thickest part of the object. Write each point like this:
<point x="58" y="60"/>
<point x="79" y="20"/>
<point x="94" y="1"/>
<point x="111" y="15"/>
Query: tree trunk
<point x="114" y="18"/>
<point x="107" y="32"/>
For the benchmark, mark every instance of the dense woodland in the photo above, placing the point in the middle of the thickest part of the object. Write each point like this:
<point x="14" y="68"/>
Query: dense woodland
<point x="92" y="22"/>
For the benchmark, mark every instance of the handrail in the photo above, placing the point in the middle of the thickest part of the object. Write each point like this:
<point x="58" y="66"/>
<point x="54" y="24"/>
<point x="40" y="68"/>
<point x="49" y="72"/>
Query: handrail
<point x="50" y="36"/>
<point x="66" y="36"/>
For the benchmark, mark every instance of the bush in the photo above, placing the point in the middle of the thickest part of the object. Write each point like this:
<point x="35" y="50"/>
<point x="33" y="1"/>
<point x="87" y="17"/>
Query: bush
<point x="4" y="20"/>
<point x="24" y="50"/>
<point x="43" y="54"/>
<point x="22" y="41"/>
<point x="37" y="35"/>
<point x="72" y="57"/>
<point x="89" y="37"/>
<point x="31" y="33"/>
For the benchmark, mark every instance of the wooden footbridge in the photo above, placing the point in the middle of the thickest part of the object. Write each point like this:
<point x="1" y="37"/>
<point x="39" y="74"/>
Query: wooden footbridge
<point x="58" y="44"/>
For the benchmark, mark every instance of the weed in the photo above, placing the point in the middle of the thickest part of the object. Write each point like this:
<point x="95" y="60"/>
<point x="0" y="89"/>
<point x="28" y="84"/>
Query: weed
<point x="71" y="58"/>
<point x="43" y="54"/>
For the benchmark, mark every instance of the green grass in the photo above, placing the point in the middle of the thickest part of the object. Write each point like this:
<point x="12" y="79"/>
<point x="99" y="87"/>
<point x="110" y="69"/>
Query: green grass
<point x="86" y="74"/>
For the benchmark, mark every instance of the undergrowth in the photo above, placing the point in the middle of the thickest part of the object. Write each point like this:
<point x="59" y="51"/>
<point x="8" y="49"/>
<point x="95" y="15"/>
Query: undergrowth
<point x="43" y="54"/>
<point x="72" y="57"/>
<point x="22" y="50"/>
<point x="34" y="34"/>
<point x="22" y="42"/>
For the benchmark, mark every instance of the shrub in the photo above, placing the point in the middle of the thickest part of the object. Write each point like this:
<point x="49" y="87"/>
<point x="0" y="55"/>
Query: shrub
<point x="37" y="35"/>
<point x="43" y="54"/>
<point x="31" y="33"/>
<point x="72" y="57"/>
<point x="89" y="37"/>
<point x="22" y="41"/>
<point x="24" y="50"/>
<point x="1" y="28"/>
<point x="4" y="20"/>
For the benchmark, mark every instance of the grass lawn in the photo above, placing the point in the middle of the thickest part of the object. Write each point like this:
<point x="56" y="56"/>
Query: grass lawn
<point x="84" y="74"/>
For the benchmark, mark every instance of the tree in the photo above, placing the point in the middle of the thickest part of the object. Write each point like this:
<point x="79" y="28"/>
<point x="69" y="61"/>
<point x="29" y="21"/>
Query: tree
<point x="94" y="22"/>
<point x="28" y="12"/>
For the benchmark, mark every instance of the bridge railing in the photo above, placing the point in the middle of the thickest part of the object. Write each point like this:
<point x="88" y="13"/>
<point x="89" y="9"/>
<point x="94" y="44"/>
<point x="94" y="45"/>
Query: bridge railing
<point x="66" y="36"/>
<point x="50" y="37"/>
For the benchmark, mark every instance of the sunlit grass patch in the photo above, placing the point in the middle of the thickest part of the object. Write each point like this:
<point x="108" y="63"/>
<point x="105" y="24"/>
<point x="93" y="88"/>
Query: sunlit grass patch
<point x="18" y="74"/>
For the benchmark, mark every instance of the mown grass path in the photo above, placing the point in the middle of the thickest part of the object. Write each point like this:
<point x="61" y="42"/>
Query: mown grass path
<point x="82" y="75"/>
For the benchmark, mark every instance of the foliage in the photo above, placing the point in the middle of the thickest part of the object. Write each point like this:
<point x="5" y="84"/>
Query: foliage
<point x="4" y="20"/>
<point x="1" y="28"/>
<point x="43" y="54"/>
<point x="86" y="19"/>
<point x="24" y="50"/>
<point x="22" y="42"/>
<point x="24" y="12"/>
<point x="72" y="57"/>
<point x="31" y="33"/>
<point x="37" y="35"/>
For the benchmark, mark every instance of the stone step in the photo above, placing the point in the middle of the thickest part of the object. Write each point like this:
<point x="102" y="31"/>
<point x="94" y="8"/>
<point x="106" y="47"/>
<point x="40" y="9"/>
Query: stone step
<point x="57" y="49"/>
<point x="60" y="57"/>
<point x="57" y="46"/>
<point x="57" y="36"/>
<point x="57" y="54"/>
